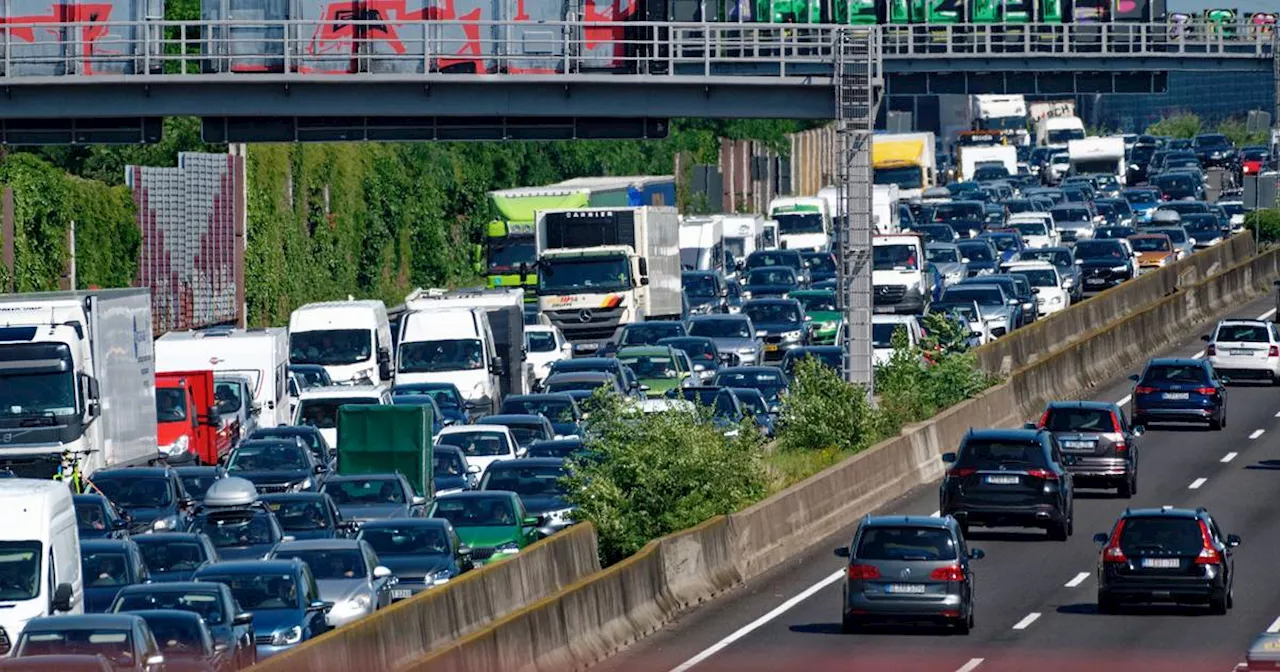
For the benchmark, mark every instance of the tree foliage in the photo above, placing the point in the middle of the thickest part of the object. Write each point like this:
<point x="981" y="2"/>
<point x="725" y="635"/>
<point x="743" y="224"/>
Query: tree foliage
<point x="1185" y="126"/>
<point x="1265" y="224"/>
<point x="823" y="412"/>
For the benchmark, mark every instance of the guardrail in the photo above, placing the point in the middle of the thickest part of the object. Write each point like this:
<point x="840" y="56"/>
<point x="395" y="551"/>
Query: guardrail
<point x="33" y="47"/>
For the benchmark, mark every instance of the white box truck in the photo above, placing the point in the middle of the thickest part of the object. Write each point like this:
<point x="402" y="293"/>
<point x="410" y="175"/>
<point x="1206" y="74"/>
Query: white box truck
<point x="77" y="373"/>
<point x="1098" y="156"/>
<point x="602" y="268"/>
<point x="1058" y="131"/>
<point x="259" y="355"/>
<point x="1001" y="113"/>
<point x="702" y="243"/>
<point x="973" y="157"/>
<point x="804" y="223"/>
<point x="351" y="339"/>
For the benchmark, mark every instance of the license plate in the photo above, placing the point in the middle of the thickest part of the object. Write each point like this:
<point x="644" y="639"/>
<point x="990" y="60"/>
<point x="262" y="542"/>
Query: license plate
<point x="1161" y="563"/>
<point x="1078" y="444"/>
<point x="884" y="309"/>
<point x="770" y="348"/>
<point x="1094" y="281"/>
<point x="401" y="593"/>
<point x="905" y="588"/>
<point x="1242" y="353"/>
<point x="1176" y="395"/>
<point x="1002" y="480"/>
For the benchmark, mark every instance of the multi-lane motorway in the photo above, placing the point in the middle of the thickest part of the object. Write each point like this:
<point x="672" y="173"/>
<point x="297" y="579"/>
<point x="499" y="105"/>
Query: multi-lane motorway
<point x="1035" y="597"/>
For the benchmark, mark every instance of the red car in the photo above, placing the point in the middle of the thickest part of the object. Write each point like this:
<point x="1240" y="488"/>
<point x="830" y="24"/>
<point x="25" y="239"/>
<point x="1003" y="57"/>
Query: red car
<point x="1253" y="160"/>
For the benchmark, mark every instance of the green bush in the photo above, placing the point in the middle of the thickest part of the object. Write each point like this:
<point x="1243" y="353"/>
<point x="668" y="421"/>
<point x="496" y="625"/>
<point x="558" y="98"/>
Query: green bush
<point x="658" y="474"/>
<point x="1238" y="133"/>
<point x="1177" y="126"/>
<point x="916" y="383"/>
<point x="823" y="412"/>
<point x="1265" y="224"/>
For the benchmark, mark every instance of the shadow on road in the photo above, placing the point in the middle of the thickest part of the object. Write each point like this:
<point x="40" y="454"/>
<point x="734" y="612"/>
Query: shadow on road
<point x="1091" y="609"/>
<point x="910" y="630"/>
<point x="1264" y="465"/>
<point x="979" y="534"/>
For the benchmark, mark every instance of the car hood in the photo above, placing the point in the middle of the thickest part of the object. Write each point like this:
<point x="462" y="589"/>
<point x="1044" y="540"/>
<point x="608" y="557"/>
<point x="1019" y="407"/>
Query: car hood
<point x="373" y="511"/>
<point x="825" y="316"/>
<point x="726" y="344"/>
<point x="1074" y="225"/>
<point x="144" y="516"/>
<point x="659" y="385"/>
<point x="252" y="552"/>
<point x="97" y="600"/>
<point x="314" y="533"/>
<point x="415" y="566"/>
<point x="774" y="328"/>
<point x="272" y="477"/>
<point x="1154" y="255"/>
<point x="1103" y="262"/>
<point x="487" y="536"/>
<point x="450" y="483"/>
<point x="768" y="290"/>
<point x="538" y="505"/>
<point x="267" y="621"/>
<point x="980" y="264"/>
<point x="952" y="268"/>
<point x="341" y="590"/>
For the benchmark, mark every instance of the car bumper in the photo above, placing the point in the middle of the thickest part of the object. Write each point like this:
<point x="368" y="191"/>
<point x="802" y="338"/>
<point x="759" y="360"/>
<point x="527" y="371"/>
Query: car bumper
<point x="185" y="459"/>
<point x="1088" y="470"/>
<point x="774" y="352"/>
<point x="862" y="605"/>
<point x="1246" y="367"/>
<point x="1037" y="515"/>
<point x="1162" y="590"/>
<point x="1188" y="414"/>
<point x="910" y="302"/>
<point x="341" y="619"/>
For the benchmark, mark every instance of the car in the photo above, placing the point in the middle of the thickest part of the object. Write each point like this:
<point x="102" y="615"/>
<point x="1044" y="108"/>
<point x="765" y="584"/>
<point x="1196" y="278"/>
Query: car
<point x="648" y="333"/>
<point x="1046" y="284"/>
<point x="422" y="553"/>
<point x="451" y="470"/>
<point x="947" y="259"/>
<point x="277" y="465"/>
<point x="1214" y="149"/>
<point x="174" y="556"/>
<point x="493" y="524"/>
<point x="230" y="626"/>
<point x="559" y="409"/>
<point x="982" y="254"/>
<point x="830" y="356"/>
<point x="780" y="323"/>
<point x="1166" y="555"/>
<point x="196" y="480"/>
<point x="1101" y="440"/>
<point x="364" y="497"/>
<point x="282" y="595"/>
<point x="1183" y="245"/>
<point x="307" y="515"/>
<point x="823" y="317"/>
<point x="608" y="365"/>
<point x="544" y="344"/>
<point x="108" y="565"/>
<point x="708" y="292"/>
<point x="448" y="399"/>
<point x="1035" y="228"/>
<point x="526" y="427"/>
<point x="58" y="663"/>
<point x="727" y="411"/>
<point x="1123" y="210"/>
<point x="1243" y="349"/>
<point x="1063" y="258"/>
<point x="908" y="568"/>
<point x="1000" y="311"/>
<point x="153" y="497"/>
<point x="123" y="639"/>
<point x="236" y="521"/>
<point x="1114" y="231"/>
<point x="98" y="518"/>
<point x="484" y="444"/>
<point x="1203" y="229"/>
<point x="1103" y="263"/>
<point x="438" y="421"/>
<point x="582" y="385"/>
<point x="821" y="265"/>
<point x="883" y="329"/>
<point x="733" y="335"/>
<point x="701" y="351"/>
<point x="1179" y="185"/>
<point x="1009" y="477"/>
<point x="757" y="407"/>
<point x="310" y="375"/>
<point x="1173" y="389"/>
<point x="310" y="436"/>
<point x="770" y="380"/>
<point x="561" y="448"/>
<point x="347" y="573"/>
<point x="1017" y="288"/>
<point x="659" y="368"/>
<point x="770" y="282"/>
<point x="1074" y="222"/>
<point x="1155" y="250"/>
<point x="185" y="641"/>
<point x="538" y="483"/>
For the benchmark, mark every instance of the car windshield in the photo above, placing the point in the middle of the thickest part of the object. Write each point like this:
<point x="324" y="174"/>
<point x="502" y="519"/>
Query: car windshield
<point x="721" y="328"/>
<point x="231" y="529"/>
<point x="763" y="259"/>
<point x="1184" y="374"/>
<point x="651" y="366"/>
<point x="1094" y="420"/>
<point x="323" y="413"/>
<point x="768" y="382"/>
<point x="331" y="563"/>
<point x="1039" y="277"/>
<point x="701" y="285"/>
<point x="114" y="645"/>
<point x="820" y="303"/>
<point x="894" y="257"/>
<point x="301" y="515"/>
<point x="985" y="296"/>
<point x="557" y="386"/>
<point x="206" y="603"/>
<point x="1055" y="257"/>
<point x="524" y="434"/>
<point x="1141" y="244"/>
<point x="333" y="347"/>
<point x="752" y="401"/>
<point x="477" y="443"/>
<point x="525" y="481"/>
<point x="1178" y="235"/>
<point x="268" y="457"/>
<point x="964" y="310"/>
<point x="906" y="543"/>
<point x="560" y="449"/>
<point x="407" y="540"/>
<point x="476" y="511"/>
<point x="1232" y="209"/>
<point x="650" y="333"/>
<point x="506" y="254"/>
<point x="104" y="568"/>
<point x="882" y="334"/>
<point x="1099" y="249"/>
<point x="178" y="637"/>
<point x="171" y="404"/>
<point x="385" y="490"/>
<point x="462" y="354"/>
<point x="977" y="252"/>
<point x="945" y="255"/>
<point x="942" y="233"/>
<point x="1067" y="215"/>
<point x="821" y="263"/>
<point x="1243" y="333"/>
<point x="698" y="350"/>
<point x="555" y="410"/>
<point x="311" y="377"/>
<point x="1181" y="536"/>
<point x="576" y="274"/>
<point x="1004" y="243"/>
<point x="1140" y="197"/>
<point x="958" y="211"/>
<point x="172" y="556"/>
<point x="992" y="454"/>
<point x="197" y="484"/>
<point x="1030" y="228"/>
<point x="258" y="592"/>
<point x="906" y="177"/>
<point x="772" y="313"/>
<point x="540" y="341"/>
<point x="130" y="491"/>
<point x="771" y="276"/>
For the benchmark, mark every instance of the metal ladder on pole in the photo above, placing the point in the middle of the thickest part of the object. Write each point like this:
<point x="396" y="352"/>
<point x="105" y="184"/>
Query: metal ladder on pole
<point x="858" y="82"/>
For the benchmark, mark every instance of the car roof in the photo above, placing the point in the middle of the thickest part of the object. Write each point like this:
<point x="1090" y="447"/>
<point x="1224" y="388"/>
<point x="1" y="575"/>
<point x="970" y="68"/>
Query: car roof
<point x="588" y="361"/>
<point x="402" y="522"/>
<point x="167" y="537"/>
<point x="379" y="476"/>
<point x="722" y="317"/>
<point x="318" y="545"/>
<point x="1027" y="435"/>
<point x="466" y="429"/>
<point x="914" y="521"/>
<point x="1243" y="321"/>
<point x="81" y="622"/>
<point x="547" y="442"/>
<point x="578" y="377"/>
<point x="1094" y="405"/>
<point x="177" y="614"/>
<point x="526" y="462"/>
<point x="290" y="496"/>
<point x="139" y="472"/>
<point x="512" y="419"/>
<point x="251" y="566"/>
<point x="1163" y="512"/>
<point x="644" y="350"/>
<point x="176" y="586"/>
<point x="1175" y="361"/>
<point x="478" y="494"/>
<point x="1029" y="265"/>
<point x="543" y="396"/>
<point x="99" y="545"/>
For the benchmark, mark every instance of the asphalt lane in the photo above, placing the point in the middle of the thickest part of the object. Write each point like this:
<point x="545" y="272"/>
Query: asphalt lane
<point x="1035" y="597"/>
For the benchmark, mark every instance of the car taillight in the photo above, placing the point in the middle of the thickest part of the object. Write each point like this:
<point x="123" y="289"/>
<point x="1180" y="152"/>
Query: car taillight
<point x="1208" y="554"/>
<point x="863" y="572"/>
<point x="1211" y="350"/>
<point x="1207" y="391"/>
<point x="1112" y="552"/>
<point x="1143" y="389"/>
<point x="961" y="472"/>
<point x="1044" y="420"/>
<point x="1043" y="474"/>
<point x="1274" y="351"/>
<point x="948" y="573"/>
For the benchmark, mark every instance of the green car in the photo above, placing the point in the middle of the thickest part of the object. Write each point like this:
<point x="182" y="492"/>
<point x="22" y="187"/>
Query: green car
<point x="659" y="368"/>
<point x="493" y="524"/>
<point x="820" y="309"/>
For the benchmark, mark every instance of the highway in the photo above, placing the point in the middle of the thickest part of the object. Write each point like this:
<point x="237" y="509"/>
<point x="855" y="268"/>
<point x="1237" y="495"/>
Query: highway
<point x="1035" y="597"/>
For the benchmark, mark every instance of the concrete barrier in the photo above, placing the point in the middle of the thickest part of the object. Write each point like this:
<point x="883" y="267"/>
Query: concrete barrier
<point x="604" y="612"/>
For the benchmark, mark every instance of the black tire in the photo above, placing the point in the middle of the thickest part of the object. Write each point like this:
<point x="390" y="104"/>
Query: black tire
<point x="1216" y="424"/>
<point x="848" y="625"/>
<point x="1127" y="487"/>
<point x="1058" y="531"/>
<point x="1140" y="420"/>
<point x="963" y="625"/>
<point x="964" y="528"/>
<point x="1107" y="604"/>
<point x="1218" y="604"/>
<point x="1231" y="598"/>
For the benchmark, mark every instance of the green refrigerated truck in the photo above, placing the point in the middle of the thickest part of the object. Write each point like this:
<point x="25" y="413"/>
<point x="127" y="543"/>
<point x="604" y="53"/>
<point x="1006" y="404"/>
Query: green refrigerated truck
<point x="388" y="439"/>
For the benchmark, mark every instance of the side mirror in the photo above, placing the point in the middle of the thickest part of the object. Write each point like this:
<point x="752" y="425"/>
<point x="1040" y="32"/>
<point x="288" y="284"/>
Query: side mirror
<point x="842" y="552"/>
<point x="155" y="661"/>
<point x="1233" y="540"/>
<point x="381" y="572"/>
<point x="530" y="521"/>
<point x="287" y="538"/>
<point x="320" y="606"/>
<point x="255" y="408"/>
<point x="1135" y="377"/>
<point x="1206" y="338"/>
<point x="1101" y="538"/>
<point x="949" y="458"/>
<point x="417" y="500"/>
<point x="214" y="416"/>
<point x="320" y="469"/>
<point x="1138" y="430"/>
<point x="119" y="524"/>
<point x="243" y="618"/>
<point x="62" y="598"/>
<point x="976" y="554"/>
<point x="473" y="469"/>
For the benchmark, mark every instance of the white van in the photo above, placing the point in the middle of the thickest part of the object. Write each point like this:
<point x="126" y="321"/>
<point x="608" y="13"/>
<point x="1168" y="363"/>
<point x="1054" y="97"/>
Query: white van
<point x="803" y="223"/>
<point x="318" y="406"/>
<point x="259" y="355"/>
<point x="450" y="345"/>
<point x="40" y="547"/>
<point x="350" y="339"/>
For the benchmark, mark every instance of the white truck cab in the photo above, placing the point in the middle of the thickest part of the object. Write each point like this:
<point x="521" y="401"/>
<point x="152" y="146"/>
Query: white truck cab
<point x="40" y="551"/>
<point x="259" y="355"/>
<point x="803" y="223"/>
<point x="451" y="345"/>
<point x="350" y="339"/>
<point x="900" y="283"/>
<point x="318" y="406"/>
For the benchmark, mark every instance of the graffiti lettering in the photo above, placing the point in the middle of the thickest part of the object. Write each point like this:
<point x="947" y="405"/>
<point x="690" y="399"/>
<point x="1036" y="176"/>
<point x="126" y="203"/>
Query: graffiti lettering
<point x="342" y="29"/>
<point x="24" y="28"/>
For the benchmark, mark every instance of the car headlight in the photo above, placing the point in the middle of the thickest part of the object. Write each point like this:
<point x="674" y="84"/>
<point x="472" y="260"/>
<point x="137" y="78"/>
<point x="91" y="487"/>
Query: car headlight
<point x="999" y="319"/>
<point x="747" y="351"/>
<point x="1055" y="300"/>
<point x="828" y="326"/>
<point x="508" y="548"/>
<point x="287" y="637"/>
<point x="438" y="577"/>
<point x="1162" y="261"/>
<point x="986" y="271"/>
<point x="1119" y="269"/>
<point x="1067" y="283"/>
<point x="304" y="484"/>
<point x="162" y="524"/>
<point x="178" y="447"/>
<point x="792" y="335"/>
<point x="358" y="603"/>
<point x="952" y="278"/>
<point x="746" y="293"/>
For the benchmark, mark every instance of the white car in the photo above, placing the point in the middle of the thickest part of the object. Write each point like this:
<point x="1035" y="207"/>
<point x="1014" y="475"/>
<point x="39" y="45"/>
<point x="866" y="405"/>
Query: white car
<point x="882" y="328"/>
<point x="1245" y="349"/>
<point x="544" y="344"/>
<point x="1037" y="228"/>
<point x="318" y="406"/>
<point x="481" y="444"/>
<point x="1046" y="282"/>
<point x="1235" y="210"/>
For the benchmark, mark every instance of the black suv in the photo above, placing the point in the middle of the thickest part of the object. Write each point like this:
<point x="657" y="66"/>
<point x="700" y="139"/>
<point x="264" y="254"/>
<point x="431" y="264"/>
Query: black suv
<point x="1009" y="477"/>
<point x="1098" y="435"/>
<point x="1166" y="555"/>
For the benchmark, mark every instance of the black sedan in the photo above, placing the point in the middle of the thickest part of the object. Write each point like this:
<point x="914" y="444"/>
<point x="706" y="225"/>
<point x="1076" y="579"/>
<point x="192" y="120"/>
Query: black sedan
<point x="230" y="627"/>
<point x="421" y="552"/>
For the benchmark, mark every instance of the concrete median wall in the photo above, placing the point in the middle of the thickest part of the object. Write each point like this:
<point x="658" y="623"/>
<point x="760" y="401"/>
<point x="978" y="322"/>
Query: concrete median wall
<point x="608" y="610"/>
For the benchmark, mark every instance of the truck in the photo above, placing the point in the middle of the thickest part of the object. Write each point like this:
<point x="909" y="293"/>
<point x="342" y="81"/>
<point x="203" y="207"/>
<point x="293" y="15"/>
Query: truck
<point x="1058" y="131"/>
<point x="351" y="339"/>
<point x="743" y="234"/>
<point x="804" y="223"/>
<point x="189" y="427"/>
<point x="884" y="208"/>
<point x="377" y="439"/>
<point x="259" y="355"/>
<point x="901" y="283"/>
<point x="973" y="157"/>
<point x="1001" y="113"/>
<point x="438" y="327"/>
<point x="1045" y="109"/>
<point x="509" y="239"/>
<point x="77" y="375"/>
<point x="602" y="268"/>
<point x="702" y="243"/>
<point x="1098" y="156"/>
<point x="905" y="159"/>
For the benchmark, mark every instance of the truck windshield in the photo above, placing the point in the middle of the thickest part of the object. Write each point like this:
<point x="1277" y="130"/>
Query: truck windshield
<point x="1094" y="166"/>
<point x="1003" y="124"/>
<point x="906" y="177"/>
<point x="691" y="258"/>
<point x="591" y="274"/>
<point x="462" y="354"/>
<point x="171" y="404"/>
<point x="1062" y="136"/>
<point x="20" y="569"/>
<point x="894" y="257"/>
<point x="736" y="246"/>
<point x="24" y="394"/>
<point x="330" y="347"/>
<point x="506" y="254"/>
<point x="799" y="222"/>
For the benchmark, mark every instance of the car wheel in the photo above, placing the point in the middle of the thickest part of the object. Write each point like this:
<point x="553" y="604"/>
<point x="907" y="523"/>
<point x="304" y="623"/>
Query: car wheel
<point x="1140" y="420"/>
<point x="1058" y="531"/>
<point x="848" y="625"/>
<point x="1127" y="488"/>
<point x="964" y="625"/>
<point x="1218" y="604"/>
<point x="1231" y="598"/>
<point x="1107" y="603"/>
<point x="1275" y="380"/>
<point x="1216" y="424"/>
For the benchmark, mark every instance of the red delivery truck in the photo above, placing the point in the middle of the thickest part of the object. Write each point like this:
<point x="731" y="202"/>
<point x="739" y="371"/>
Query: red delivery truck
<point x="189" y="428"/>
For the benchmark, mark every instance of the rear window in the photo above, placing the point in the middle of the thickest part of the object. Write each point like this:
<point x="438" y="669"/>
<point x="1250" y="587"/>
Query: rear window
<point x="1079" y="420"/>
<point x="906" y="543"/>
<point x="985" y="454"/>
<point x="1172" y="535"/>
<point x="1173" y="373"/>
<point x="1243" y="333"/>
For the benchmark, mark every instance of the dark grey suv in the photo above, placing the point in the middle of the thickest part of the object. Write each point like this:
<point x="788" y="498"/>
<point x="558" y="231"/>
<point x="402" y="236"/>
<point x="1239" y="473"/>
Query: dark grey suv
<point x="1009" y="478"/>
<point x="1098" y="435"/>
<point x="908" y="569"/>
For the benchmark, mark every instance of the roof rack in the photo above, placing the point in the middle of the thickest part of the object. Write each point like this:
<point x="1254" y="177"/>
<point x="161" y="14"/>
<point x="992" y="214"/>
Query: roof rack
<point x="231" y="492"/>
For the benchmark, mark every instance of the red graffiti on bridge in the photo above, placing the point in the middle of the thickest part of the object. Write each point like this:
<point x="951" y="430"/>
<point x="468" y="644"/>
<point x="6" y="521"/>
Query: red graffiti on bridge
<point x="92" y="17"/>
<point x="340" y="33"/>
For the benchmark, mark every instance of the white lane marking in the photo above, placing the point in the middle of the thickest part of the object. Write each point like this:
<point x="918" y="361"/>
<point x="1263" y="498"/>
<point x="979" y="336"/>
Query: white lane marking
<point x="971" y="665"/>
<point x="1278" y="414"/>
<point x="1198" y="355"/>
<point x="753" y="625"/>
<point x="1267" y="314"/>
<point x="1256" y="433"/>
<point x="1124" y="400"/>
<point x="935" y="514"/>
<point x="1195" y="485"/>
<point x="1027" y="621"/>
<point x="1275" y="626"/>
<point x="1079" y="579"/>
<point x="1228" y="457"/>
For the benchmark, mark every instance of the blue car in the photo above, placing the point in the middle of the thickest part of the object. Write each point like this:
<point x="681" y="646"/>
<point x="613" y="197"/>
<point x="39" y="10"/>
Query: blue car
<point x="1179" y="390"/>
<point x="452" y="472"/>
<point x="281" y="595"/>
<point x="98" y="518"/>
<point x="230" y="626"/>
<point x="153" y="497"/>
<point x="107" y="566"/>
<point x="438" y="420"/>
<point x="984" y="258"/>
<point x="175" y="556"/>
<point x="453" y="407"/>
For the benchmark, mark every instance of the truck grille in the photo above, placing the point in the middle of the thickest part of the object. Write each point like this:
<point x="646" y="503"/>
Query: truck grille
<point x="889" y="294"/>
<point x="599" y="324"/>
<point x="262" y="639"/>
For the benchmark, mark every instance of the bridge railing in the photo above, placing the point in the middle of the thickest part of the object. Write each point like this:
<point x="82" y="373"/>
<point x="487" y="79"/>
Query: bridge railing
<point x="343" y="45"/>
